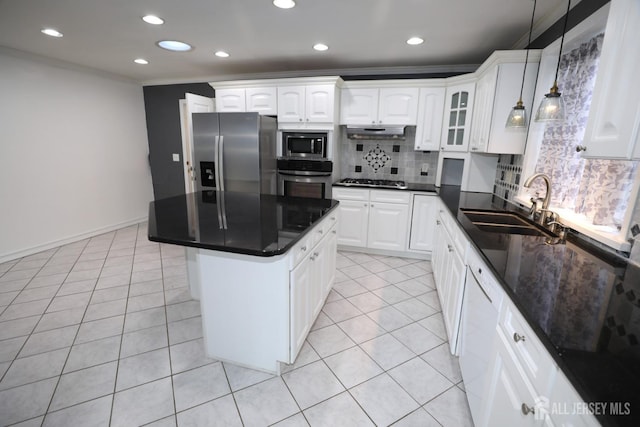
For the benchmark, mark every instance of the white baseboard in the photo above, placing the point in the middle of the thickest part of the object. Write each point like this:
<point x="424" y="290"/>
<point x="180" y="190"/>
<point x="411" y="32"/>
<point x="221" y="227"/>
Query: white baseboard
<point x="403" y="254"/>
<point x="53" y="244"/>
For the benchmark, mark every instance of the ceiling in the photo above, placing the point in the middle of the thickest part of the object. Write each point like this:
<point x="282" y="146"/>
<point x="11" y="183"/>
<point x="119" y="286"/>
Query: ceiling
<point x="364" y="36"/>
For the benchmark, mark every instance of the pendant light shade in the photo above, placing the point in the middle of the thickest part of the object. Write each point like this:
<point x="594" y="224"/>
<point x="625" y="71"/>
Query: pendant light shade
<point x="552" y="106"/>
<point x="518" y="115"/>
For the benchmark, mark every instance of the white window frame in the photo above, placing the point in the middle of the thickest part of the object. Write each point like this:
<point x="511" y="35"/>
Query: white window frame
<point x="610" y="236"/>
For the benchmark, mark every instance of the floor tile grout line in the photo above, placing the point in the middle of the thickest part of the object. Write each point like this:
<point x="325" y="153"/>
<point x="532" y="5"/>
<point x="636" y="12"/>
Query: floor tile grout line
<point x="55" y="389"/>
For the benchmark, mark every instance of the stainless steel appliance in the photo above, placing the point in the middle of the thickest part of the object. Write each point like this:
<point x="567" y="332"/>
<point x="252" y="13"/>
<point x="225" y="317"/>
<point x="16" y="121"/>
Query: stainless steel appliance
<point x="235" y="152"/>
<point x="305" y="178"/>
<point x="306" y="145"/>
<point x="364" y="182"/>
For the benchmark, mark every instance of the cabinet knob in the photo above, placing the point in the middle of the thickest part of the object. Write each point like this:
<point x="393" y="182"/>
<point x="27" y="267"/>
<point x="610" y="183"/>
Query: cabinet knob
<point x="333" y="218"/>
<point x="438" y="222"/>
<point x="526" y="410"/>
<point x="307" y="119"/>
<point x="312" y="258"/>
<point x="365" y="205"/>
<point x="320" y="231"/>
<point x="450" y="248"/>
<point x="479" y="271"/>
<point x="371" y="204"/>
<point x="380" y="121"/>
<point x="517" y="337"/>
<point x="300" y="119"/>
<point x="315" y="254"/>
<point x="580" y="148"/>
<point x="304" y="248"/>
<point x="373" y="122"/>
<point x="334" y="232"/>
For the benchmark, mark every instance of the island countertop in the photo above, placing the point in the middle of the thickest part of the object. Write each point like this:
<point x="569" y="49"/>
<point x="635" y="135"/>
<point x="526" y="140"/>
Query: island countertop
<point x="244" y="223"/>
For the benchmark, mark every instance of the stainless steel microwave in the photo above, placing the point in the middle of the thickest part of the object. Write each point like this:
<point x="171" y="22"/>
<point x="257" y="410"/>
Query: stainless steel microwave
<point x="310" y="145"/>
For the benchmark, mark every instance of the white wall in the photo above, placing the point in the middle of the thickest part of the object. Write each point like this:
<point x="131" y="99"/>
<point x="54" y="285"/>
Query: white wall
<point x="73" y="154"/>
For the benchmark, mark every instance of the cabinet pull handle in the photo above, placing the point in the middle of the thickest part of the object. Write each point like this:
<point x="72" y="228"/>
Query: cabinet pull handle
<point x="580" y="148"/>
<point x="517" y="337"/>
<point x="526" y="410"/>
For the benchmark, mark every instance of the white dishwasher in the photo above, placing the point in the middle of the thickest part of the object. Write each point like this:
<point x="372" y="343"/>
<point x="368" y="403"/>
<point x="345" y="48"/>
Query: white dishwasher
<point x="482" y="299"/>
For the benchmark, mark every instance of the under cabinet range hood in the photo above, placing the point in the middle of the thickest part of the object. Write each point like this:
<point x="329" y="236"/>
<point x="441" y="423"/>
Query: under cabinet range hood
<point x="377" y="132"/>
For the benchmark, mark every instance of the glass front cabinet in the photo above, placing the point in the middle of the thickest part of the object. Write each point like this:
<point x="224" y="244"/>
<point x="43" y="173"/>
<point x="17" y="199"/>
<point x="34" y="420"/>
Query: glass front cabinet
<point x="457" y="117"/>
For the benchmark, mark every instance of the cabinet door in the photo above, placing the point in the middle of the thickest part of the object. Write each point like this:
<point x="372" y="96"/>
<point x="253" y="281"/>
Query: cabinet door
<point x="291" y="103"/>
<point x="423" y="221"/>
<point x="457" y="117"/>
<point x="359" y="106"/>
<point x="388" y="226"/>
<point x="262" y="100"/>
<point x="437" y="256"/>
<point x="483" y="111"/>
<point x="329" y="273"/>
<point x="398" y="106"/>
<point x="299" y="305"/>
<point x="318" y="277"/>
<point x="230" y="100"/>
<point x="320" y="103"/>
<point x="429" y="126"/>
<point x="353" y="225"/>
<point x="613" y="127"/>
<point x="508" y="391"/>
<point x="452" y="308"/>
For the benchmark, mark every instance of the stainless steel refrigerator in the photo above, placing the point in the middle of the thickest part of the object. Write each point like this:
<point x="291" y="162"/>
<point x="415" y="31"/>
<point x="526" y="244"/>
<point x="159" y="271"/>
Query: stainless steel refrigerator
<point x="235" y="152"/>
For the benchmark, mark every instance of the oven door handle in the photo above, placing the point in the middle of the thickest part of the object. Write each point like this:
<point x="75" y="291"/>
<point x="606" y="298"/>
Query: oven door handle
<point x="304" y="173"/>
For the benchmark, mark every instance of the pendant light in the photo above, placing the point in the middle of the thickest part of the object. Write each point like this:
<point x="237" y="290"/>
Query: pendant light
<point x="552" y="106"/>
<point x="518" y="115"/>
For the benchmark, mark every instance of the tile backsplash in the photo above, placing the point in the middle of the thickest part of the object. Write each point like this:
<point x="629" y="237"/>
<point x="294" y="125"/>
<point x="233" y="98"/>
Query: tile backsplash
<point x="387" y="159"/>
<point x="508" y="177"/>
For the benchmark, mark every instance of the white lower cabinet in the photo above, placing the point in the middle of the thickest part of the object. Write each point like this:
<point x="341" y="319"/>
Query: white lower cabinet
<point x="449" y="272"/>
<point x="423" y="222"/>
<point x="376" y="219"/>
<point x="511" y="399"/>
<point x="310" y="282"/>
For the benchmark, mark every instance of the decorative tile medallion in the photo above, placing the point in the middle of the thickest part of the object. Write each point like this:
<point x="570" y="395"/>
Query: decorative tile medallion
<point x="376" y="158"/>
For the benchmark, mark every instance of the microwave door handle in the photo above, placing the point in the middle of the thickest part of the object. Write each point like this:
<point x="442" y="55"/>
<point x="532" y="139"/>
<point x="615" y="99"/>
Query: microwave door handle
<point x="220" y="167"/>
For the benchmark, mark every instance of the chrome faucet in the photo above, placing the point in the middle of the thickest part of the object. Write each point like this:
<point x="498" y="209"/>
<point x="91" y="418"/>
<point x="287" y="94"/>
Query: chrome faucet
<point x="547" y="197"/>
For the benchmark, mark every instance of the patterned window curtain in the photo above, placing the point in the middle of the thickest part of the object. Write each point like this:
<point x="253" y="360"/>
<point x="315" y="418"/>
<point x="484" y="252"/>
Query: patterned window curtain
<point x="598" y="189"/>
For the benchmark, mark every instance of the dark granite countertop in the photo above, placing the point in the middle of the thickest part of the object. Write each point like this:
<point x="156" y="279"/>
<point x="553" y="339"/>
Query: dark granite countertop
<point x="582" y="302"/>
<point x="411" y="186"/>
<point x="245" y="223"/>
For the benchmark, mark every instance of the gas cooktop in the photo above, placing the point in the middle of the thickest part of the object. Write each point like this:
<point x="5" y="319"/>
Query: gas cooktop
<point x="384" y="183"/>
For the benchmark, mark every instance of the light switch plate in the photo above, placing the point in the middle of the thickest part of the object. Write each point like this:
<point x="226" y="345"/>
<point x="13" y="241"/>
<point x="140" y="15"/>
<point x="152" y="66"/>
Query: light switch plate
<point x="176" y="157"/>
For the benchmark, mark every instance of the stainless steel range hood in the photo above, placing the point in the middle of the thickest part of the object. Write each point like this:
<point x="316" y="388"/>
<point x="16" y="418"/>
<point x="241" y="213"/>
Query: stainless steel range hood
<point x="377" y="132"/>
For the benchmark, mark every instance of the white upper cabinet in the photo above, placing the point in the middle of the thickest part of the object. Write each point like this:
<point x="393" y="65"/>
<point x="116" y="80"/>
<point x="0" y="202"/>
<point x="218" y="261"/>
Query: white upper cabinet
<point x="230" y="100"/>
<point x="262" y="100"/>
<point x="251" y="99"/>
<point x="613" y="127"/>
<point x="306" y="104"/>
<point x="429" y="126"/>
<point x="497" y="91"/>
<point x="457" y="117"/>
<point x="379" y="106"/>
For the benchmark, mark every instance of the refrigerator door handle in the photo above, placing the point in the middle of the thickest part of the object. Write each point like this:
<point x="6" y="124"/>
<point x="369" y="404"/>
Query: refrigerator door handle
<point x="216" y="160"/>
<point x="220" y="163"/>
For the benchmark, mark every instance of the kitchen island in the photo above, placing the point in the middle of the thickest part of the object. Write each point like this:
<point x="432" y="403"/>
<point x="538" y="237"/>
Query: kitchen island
<point x="261" y="266"/>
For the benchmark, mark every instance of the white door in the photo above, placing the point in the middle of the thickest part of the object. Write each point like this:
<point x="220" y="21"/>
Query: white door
<point x="398" y="106"/>
<point x="262" y="100"/>
<point x="430" y="112"/>
<point x="359" y="106"/>
<point x="423" y="221"/>
<point x="291" y="104"/>
<point x="300" y="312"/>
<point x="192" y="104"/>
<point x="319" y="106"/>
<point x="352" y="228"/>
<point x="230" y="101"/>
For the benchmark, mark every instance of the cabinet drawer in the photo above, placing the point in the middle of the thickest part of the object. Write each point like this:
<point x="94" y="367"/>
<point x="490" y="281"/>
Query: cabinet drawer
<point x="532" y="355"/>
<point x="300" y="250"/>
<point x="457" y="236"/>
<point x="340" y="193"/>
<point x="390" y="196"/>
<point x="323" y="228"/>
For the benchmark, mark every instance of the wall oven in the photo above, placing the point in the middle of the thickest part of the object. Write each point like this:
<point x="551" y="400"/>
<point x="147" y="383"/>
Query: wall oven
<point x="305" y="178"/>
<point x="304" y="145"/>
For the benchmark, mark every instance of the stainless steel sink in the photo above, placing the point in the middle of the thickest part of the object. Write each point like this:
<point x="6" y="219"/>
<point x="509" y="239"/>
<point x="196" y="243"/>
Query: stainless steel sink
<point x="504" y="222"/>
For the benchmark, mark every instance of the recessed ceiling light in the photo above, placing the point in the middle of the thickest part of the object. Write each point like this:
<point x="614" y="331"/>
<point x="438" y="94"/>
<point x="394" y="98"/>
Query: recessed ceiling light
<point x="152" y="19"/>
<point x="284" y="4"/>
<point x="51" y="32"/>
<point x="174" y="45"/>
<point x="141" y="61"/>
<point x="415" y="41"/>
<point x="222" y="54"/>
<point x="320" y="46"/>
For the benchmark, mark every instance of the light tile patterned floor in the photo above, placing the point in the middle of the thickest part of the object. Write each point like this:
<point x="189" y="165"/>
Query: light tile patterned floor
<point x="103" y="332"/>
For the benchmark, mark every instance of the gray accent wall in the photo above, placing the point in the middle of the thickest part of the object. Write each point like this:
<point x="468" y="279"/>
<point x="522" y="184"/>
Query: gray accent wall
<point x="162" y="110"/>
